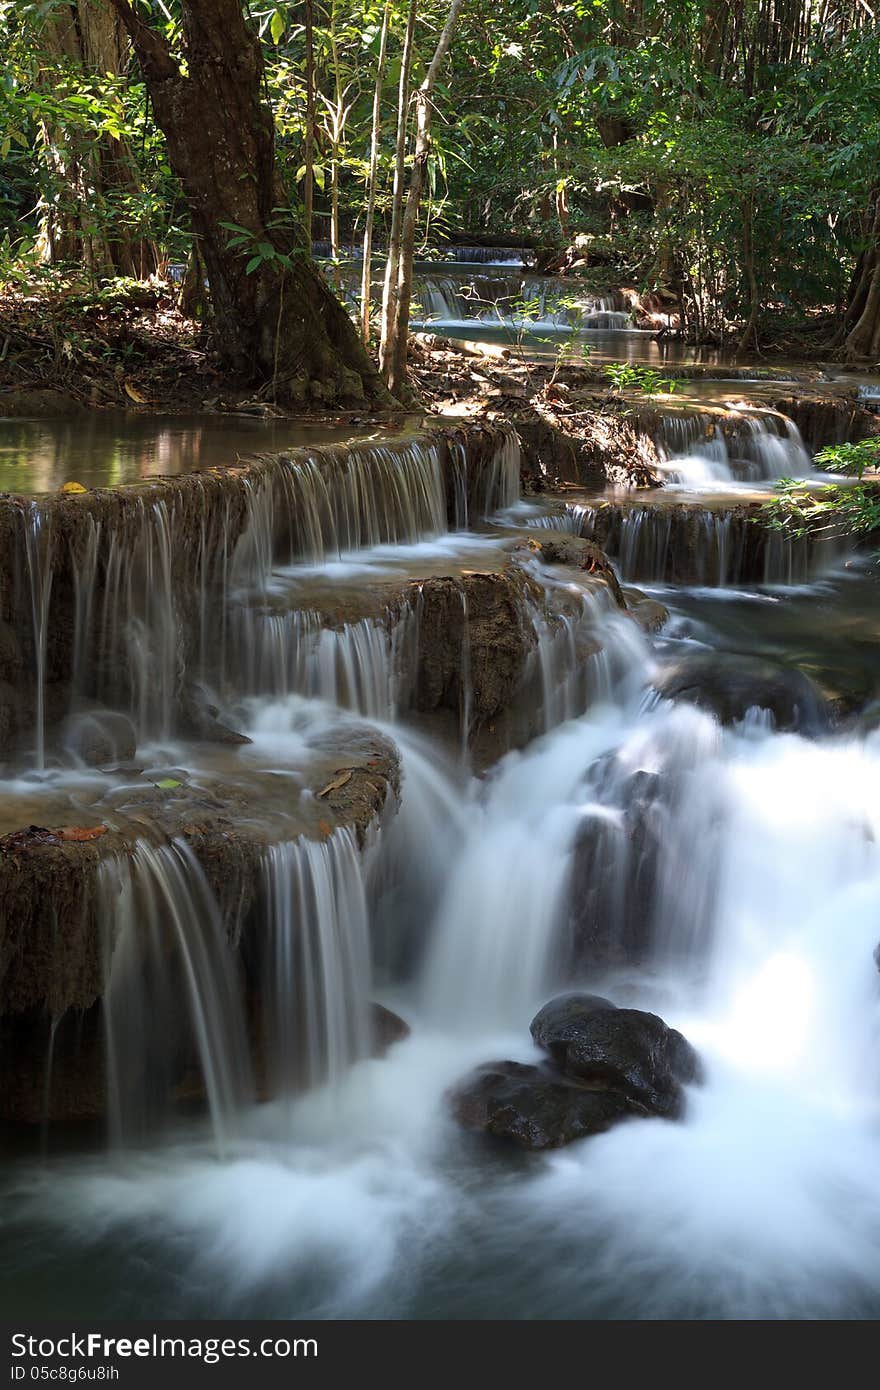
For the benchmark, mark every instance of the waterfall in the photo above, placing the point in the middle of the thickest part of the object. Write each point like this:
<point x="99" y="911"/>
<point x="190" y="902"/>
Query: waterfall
<point x="497" y="940"/>
<point x="37" y="548"/>
<point x="317" y="962"/>
<point x="746" y="444"/>
<point x="154" y="593"/>
<point x="689" y="544"/>
<point x="357" y="666"/>
<point x="172" y="1007"/>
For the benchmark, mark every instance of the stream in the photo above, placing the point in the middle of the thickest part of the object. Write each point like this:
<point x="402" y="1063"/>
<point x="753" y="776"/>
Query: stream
<point x="747" y="915"/>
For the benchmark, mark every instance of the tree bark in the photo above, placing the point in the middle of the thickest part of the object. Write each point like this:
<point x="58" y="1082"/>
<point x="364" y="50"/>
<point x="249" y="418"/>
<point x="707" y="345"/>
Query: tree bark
<point x="81" y="227"/>
<point x="862" y="342"/>
<point x="366" y="273"/>
<point x="278" y="327"/>
<point x="395" y="373"/>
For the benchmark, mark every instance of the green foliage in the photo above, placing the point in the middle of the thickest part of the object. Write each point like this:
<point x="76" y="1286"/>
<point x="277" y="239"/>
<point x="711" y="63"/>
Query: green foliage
<point x="625" y="376"/>
<point x="840" y="509"/>
<point x="853" y="459"/>
<point x="731" y="162"/>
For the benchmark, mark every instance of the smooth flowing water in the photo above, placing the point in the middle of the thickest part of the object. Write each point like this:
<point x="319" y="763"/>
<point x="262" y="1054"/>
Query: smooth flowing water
<point x="725" y="875"/>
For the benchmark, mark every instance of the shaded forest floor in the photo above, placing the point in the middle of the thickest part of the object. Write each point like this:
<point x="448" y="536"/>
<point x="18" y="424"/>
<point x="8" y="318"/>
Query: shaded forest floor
<point x="64" y="348"/>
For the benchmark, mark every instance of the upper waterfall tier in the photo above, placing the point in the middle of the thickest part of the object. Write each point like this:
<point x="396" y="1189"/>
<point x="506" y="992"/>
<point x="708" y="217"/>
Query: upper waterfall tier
<point x="122" y="594"/>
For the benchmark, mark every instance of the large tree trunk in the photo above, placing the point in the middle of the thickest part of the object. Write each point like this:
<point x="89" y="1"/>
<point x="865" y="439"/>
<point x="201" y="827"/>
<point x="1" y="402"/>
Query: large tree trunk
<point x="862" y="319"/>
<point x="92" y="174"/>
<point x="278" y="327"/>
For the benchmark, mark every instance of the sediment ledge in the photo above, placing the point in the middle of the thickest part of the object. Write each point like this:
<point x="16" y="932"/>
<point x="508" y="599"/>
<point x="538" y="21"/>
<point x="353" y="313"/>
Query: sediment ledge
<point x="53" y="944"/>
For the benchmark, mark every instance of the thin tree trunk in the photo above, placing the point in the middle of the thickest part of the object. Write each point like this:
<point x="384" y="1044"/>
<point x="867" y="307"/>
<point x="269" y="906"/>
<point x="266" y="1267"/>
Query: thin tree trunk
<point x="309" y="177"/>
<point x="278" y="327"/>
<point x="393" y="261"/>
<point x="395" y="372"/>
<point x="336" y="128"/>
<point x="749" y="332"/>
<point x="366" y="274"/>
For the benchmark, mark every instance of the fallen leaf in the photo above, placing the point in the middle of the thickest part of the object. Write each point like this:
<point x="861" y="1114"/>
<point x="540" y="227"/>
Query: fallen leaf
<point x="81" y="832"/>
<point x="325" y="828"/>
<point x="168" y="784"/>
<point x="337" y="782"/>
<point x="73" y="487"/>
<point x="134" y="394"/>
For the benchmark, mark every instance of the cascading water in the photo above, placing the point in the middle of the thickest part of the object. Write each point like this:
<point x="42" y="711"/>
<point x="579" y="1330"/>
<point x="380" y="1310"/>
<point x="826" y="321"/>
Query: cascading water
<point x="746" y="444"/>
<point x="723" y="874"/>
<point x="37" y="539"/>
<point x="171" y="1004"/>
<point x="317" y="966"/>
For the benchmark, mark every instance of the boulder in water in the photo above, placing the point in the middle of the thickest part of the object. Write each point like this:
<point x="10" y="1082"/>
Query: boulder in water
<point x="100" y="737"/>
<point x="728" y="685"/>
<point x="388" y="1029"/>
<point x="535" y="1107"/>
<point x="559" y="548"/>
<point x="626" y="1051"/>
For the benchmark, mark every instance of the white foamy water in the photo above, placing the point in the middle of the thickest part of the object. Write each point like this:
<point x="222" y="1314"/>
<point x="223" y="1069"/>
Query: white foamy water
<point x="727" y="879"/>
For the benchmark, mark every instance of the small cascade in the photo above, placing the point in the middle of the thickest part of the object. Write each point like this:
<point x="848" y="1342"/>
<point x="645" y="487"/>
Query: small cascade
<point x="515" y="300"/>
<point x="483" y="255"/>
<point x="172" y="1010"/>
<point x="357" y="666"/>
<point x="493" y="488"/>
<point x="745" y="444"/>
<point x="316" y="962"/>
<point x="498" y="940"/>
<point x="37" y="542"/>
<point x="586" y="652"/>
<point x="689" y="544"/>
<point x="324" y="504"/>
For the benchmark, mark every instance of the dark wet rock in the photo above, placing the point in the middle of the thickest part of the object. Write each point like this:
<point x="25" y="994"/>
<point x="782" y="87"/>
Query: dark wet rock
<point x="477" y="623"/>
<point x="199" y="718"/>
<point x="649" y="613"/>
<point x="559" y="548"/>
<point x="617" y="858"/>
<point x="99" y="737"/>
<point x="388" y="1028"/>
<point x="626" y="1050"/>
<point x="560" y="1021"/>
<point x="10" y="716"/>
<point x="728" y="685"/>
<point x="535" y="1107"/>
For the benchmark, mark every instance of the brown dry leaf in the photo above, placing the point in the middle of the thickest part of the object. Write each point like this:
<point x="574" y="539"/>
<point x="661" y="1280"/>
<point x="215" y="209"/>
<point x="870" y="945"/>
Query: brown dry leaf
<point x="325" y="828"/>
<point x="340" y="781"/>
<point x="73" y="487"/>
<point x="134" y="394"/>
<point x="81" y="832"/>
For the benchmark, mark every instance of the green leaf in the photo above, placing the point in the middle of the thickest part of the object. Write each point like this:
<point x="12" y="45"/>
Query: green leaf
<point x="252" y="264"/>
<point x="168" y="784"/>
<point x="276" y="27"/>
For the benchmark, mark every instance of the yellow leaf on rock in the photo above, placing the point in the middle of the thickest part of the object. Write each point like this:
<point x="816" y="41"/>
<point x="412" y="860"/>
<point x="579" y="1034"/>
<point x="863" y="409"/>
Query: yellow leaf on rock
<point x="73" y="487"/>
<point x="340" y="781"/>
